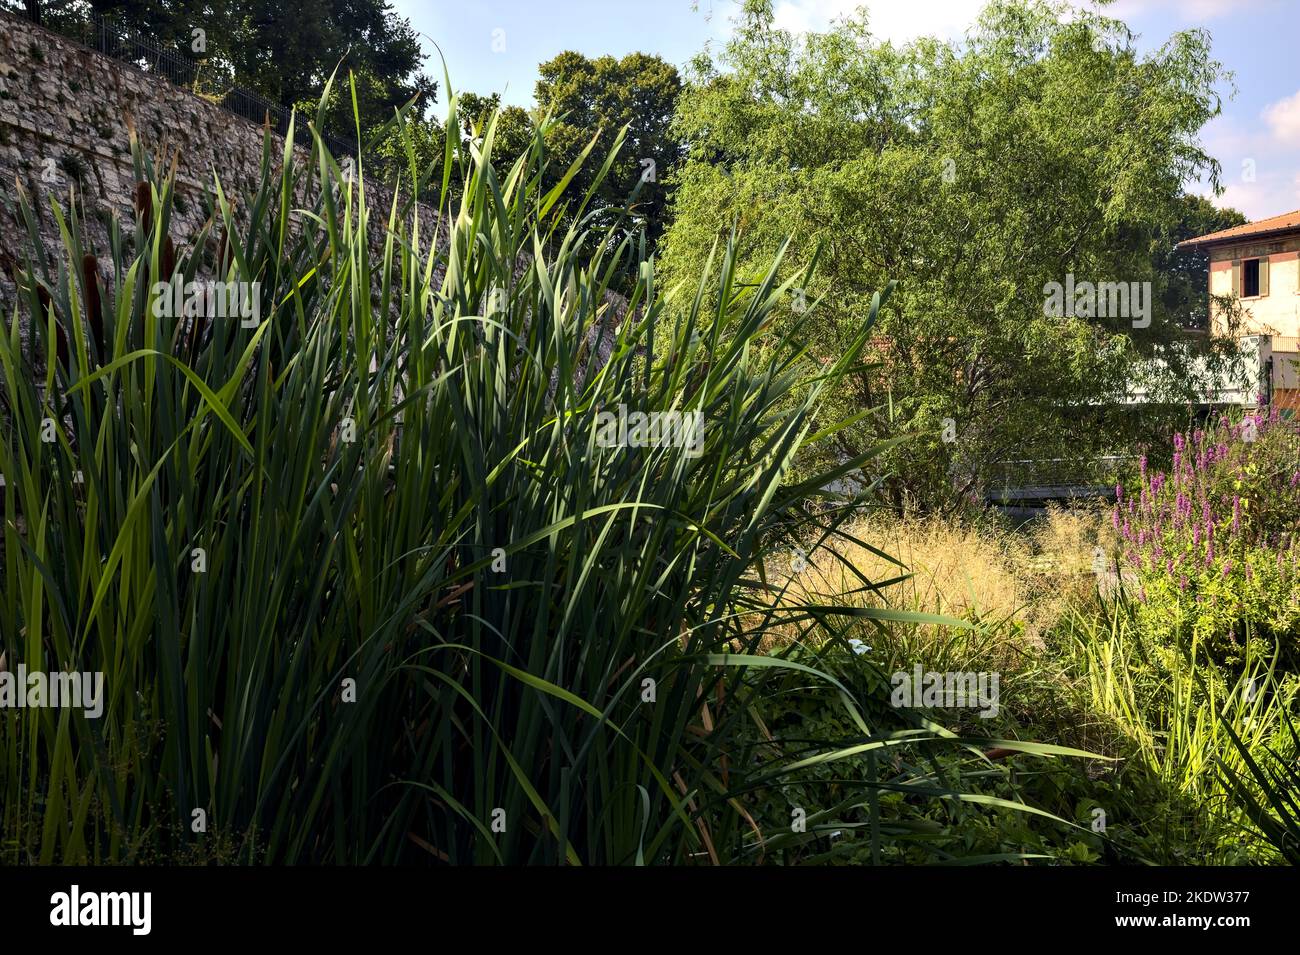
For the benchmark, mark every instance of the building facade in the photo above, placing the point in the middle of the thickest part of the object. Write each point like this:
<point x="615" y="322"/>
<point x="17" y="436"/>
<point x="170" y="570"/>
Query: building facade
<point x="1258" y="264"/>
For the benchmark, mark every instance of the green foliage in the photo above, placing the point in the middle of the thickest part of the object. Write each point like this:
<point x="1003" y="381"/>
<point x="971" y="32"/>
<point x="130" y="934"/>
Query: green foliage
<point x="936" y="804"/>
<point x="1212" y="542"/>
<point x="1178" y="731"/>
<point x="974" y="175"/>
<point x="394" y="479"/>
<point x="1184" y="726"/>
<point x="1186" y="272"/>
<point x="592" y="104"/>
<point x="514" y="126"/>
<point x="1268" y="793"/>
<point x="601" y="97"/>
<point x="285" y="50"/>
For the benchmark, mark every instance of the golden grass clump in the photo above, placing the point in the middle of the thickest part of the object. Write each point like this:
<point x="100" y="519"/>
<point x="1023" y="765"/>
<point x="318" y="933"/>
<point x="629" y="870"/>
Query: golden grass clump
<point x="1029" y="577"/>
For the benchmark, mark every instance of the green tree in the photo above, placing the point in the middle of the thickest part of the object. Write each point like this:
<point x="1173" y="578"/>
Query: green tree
<point x="974" y="174"/>
<point x="1187" y="271"/>
<point x="588" y="98"/>
<point x="605" y="94"/>
<point x="285" y="50"/>
<point x="514" y="130"/>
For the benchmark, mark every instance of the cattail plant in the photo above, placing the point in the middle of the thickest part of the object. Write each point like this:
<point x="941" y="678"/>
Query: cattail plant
<point x="94" y="307"/>
<point x="364" y="580"/>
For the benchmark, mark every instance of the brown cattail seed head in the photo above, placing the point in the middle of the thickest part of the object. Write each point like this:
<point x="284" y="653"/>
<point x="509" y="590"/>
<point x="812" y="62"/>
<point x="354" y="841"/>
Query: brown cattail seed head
<point x="94" y="308"/>
<point x="144" y="204"/>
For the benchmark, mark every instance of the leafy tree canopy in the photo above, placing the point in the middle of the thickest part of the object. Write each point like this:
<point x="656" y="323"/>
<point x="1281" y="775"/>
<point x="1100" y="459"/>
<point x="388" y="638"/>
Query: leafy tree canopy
<point x="974" y="173"/>
<point x="283" y="50"/>
<point x="605" y="94"/>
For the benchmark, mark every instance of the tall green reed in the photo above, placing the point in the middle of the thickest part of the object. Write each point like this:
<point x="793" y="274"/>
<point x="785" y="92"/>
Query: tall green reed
<point x="364" y="584"/>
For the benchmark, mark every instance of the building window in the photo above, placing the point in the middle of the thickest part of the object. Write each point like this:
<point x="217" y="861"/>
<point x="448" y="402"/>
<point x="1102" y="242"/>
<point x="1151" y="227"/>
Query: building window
<point x="1250" y="278"/>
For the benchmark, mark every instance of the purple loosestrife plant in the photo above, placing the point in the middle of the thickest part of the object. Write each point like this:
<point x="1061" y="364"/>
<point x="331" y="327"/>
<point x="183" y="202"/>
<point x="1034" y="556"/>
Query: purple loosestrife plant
<point x="1214" y="543"/>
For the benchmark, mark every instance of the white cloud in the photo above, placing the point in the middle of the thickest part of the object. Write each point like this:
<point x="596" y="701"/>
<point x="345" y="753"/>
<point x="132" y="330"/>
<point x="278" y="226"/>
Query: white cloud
<point x="897" y="20"/>
<point x="1275" y="191"/>
<point x="1283" y="118"/>
<point x="1254" y="199"/>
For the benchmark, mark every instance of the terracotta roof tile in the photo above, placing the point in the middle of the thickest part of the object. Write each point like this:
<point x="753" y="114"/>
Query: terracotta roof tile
<point x="1286" y="221"/>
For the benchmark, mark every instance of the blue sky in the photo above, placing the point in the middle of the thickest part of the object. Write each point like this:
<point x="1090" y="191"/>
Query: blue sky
<point x="495" y="46"/>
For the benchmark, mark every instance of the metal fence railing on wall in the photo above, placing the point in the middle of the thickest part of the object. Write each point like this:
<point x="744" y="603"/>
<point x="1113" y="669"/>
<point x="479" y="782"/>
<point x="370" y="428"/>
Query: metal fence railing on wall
<point x="125" y="44"/>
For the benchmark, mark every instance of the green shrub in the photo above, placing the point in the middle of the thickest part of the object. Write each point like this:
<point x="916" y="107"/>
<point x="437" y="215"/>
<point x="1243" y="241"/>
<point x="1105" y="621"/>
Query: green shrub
<point x="1177" y="720"/>
<point x="1214" y="543"/>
